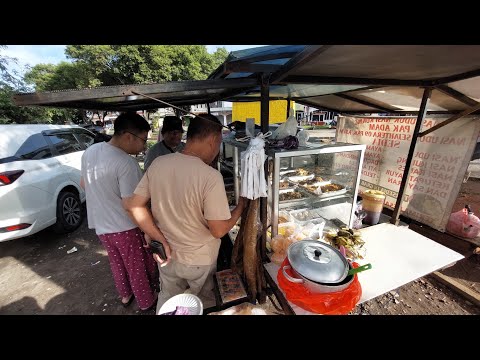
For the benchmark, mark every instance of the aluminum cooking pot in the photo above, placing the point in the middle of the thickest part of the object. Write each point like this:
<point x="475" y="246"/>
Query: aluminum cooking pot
<point x="321" y="267"/>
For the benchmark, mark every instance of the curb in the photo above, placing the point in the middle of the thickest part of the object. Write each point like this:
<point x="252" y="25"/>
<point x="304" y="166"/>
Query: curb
<point x="459" y="288"/>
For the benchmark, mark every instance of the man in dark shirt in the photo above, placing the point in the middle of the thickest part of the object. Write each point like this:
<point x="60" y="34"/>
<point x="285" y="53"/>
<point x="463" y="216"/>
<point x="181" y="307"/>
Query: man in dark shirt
<point x="172" y="132"/>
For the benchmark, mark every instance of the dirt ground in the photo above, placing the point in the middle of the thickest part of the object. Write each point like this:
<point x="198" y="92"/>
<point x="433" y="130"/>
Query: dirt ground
<point x="38" y="276"/>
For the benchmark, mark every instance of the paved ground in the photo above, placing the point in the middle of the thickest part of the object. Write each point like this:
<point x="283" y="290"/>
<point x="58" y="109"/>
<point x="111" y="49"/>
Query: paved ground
<point x="38" y="276"/>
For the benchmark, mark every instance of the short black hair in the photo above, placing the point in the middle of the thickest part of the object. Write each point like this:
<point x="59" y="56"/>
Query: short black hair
<point x="171" y="123"/>
<point x="130" y="121"/>
<point x="203" y="125"/>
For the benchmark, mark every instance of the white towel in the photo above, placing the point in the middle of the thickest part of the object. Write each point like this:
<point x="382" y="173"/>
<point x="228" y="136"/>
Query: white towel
<point x="253" y="173"/>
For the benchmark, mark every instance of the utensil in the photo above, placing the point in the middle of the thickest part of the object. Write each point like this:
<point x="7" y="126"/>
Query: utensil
<point x="354" y="271"/>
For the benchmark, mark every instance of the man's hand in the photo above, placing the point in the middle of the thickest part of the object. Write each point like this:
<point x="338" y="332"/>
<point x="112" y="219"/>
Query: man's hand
<point x="148" y="239"/>
<point x="158" y="259"/>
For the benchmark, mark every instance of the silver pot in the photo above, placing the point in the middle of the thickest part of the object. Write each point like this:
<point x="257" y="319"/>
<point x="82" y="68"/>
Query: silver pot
<point x="319" y="266"/>
<point x="316" y="287"/>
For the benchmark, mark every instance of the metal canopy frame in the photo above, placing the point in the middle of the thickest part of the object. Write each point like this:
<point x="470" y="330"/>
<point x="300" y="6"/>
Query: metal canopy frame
<point x="125" y="97"/>
<point x="238" y="79"/>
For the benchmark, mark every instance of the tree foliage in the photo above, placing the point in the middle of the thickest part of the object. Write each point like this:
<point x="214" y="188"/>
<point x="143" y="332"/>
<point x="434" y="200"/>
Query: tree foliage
<point x="104" y="65"/>
<point x="143" y="64"/>
<point x="11" y="83"/>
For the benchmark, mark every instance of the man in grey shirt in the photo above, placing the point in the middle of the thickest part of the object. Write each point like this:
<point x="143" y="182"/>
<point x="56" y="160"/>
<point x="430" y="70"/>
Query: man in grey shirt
<point x="172" y="131"/>
<point x="109" y="177"/>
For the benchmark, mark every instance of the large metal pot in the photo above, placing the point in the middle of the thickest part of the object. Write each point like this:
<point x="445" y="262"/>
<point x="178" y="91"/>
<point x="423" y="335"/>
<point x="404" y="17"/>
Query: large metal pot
<point x="319" y="266"/>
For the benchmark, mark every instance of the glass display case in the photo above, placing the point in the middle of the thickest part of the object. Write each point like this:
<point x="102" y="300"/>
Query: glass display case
<point x="310" y="184"/>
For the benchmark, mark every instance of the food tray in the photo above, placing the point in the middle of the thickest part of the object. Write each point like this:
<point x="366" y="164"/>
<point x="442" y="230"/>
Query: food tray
<point x="285" y="172"/>
<point x="287" y="203"/>
<point x="298" y="178"/>
<point x="305" y="216"/>
<point x="284" y="191"/>
<point x="325" y="194"/>
<point x="332" y="193"/>
<point x="289" y="185"/>
<point x="314" y="183"/>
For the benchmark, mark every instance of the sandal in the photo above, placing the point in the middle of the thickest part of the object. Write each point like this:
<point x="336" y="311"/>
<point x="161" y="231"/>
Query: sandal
<point x="153" y="306"/>
<point x="128" y="302"/>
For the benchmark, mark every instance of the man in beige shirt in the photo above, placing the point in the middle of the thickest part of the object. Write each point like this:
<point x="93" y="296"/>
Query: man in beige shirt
<point x="190" y="211"/>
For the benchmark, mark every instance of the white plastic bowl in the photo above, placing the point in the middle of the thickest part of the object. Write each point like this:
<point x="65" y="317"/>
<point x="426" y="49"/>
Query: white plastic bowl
<point x="190" y="301"/>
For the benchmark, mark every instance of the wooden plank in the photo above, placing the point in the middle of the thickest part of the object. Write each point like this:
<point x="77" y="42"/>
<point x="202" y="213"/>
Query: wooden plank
<point x="459" y="288"/>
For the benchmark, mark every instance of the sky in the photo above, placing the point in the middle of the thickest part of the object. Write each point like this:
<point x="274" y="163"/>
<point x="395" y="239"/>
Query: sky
<point x="53" y="54"/>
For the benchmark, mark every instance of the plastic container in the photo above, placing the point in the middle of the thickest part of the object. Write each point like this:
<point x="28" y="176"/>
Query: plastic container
<point x="285" y="215"/>
<point x="372" y="205"/>
<point x="286" y="229"/>
<point x="303" y="217"/>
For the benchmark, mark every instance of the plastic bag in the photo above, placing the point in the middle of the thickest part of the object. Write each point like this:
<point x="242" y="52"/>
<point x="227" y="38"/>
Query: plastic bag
<point x="360" y="214"/>
<point x="335" y="303"/>
<point x="250" y="127"/>
<point x="302" y="138"/>
<point x="287" y="128"/>
<point x="464" y="223"/>
<point x="253" y="173"/>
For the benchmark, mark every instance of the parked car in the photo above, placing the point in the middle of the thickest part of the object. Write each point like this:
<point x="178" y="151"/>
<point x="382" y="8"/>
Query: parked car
<point x="96" y="129"/>
<point x="109" y="127"/>
<point x="40" y="178"/>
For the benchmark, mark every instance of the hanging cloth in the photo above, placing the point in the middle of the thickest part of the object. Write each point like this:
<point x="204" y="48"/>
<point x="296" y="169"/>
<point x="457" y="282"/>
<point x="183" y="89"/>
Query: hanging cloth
<point x="252" y="169"/>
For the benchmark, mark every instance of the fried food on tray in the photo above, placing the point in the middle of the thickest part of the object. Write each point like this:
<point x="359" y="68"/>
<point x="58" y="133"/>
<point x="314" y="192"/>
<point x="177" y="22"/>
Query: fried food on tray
<point x="283" y="185"/>
<point x="302" y="172"/>
<point x="290" y="196"/>
<point x="311" y="188"/>
<point x="310" y="182"/>
<point x="331" y="187"/>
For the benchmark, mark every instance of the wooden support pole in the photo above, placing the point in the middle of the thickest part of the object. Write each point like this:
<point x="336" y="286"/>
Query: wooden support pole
<point x="264" y="120"/>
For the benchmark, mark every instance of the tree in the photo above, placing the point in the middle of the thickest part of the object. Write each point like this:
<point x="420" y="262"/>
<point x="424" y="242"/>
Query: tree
<point x="49" y="77"/>
<point x="11" y="83"/>
<point x="143" y="64"/>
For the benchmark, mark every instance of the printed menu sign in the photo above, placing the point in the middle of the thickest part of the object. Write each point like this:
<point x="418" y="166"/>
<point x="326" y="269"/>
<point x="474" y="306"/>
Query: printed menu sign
<point x="438" y="166"/>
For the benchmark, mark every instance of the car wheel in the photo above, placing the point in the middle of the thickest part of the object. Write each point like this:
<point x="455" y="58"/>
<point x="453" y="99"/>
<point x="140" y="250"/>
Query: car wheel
<point x="69" y="212"/>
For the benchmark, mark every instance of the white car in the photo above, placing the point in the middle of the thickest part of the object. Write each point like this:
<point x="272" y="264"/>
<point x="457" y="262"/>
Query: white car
<point x="40" y="178"/>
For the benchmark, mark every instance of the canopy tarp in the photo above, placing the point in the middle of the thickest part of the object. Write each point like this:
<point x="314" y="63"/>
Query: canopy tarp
<point x="349" y="79"/>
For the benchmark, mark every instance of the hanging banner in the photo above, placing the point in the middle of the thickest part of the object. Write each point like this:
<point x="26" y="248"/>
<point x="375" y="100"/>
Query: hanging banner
<point x="438" y="166"/>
